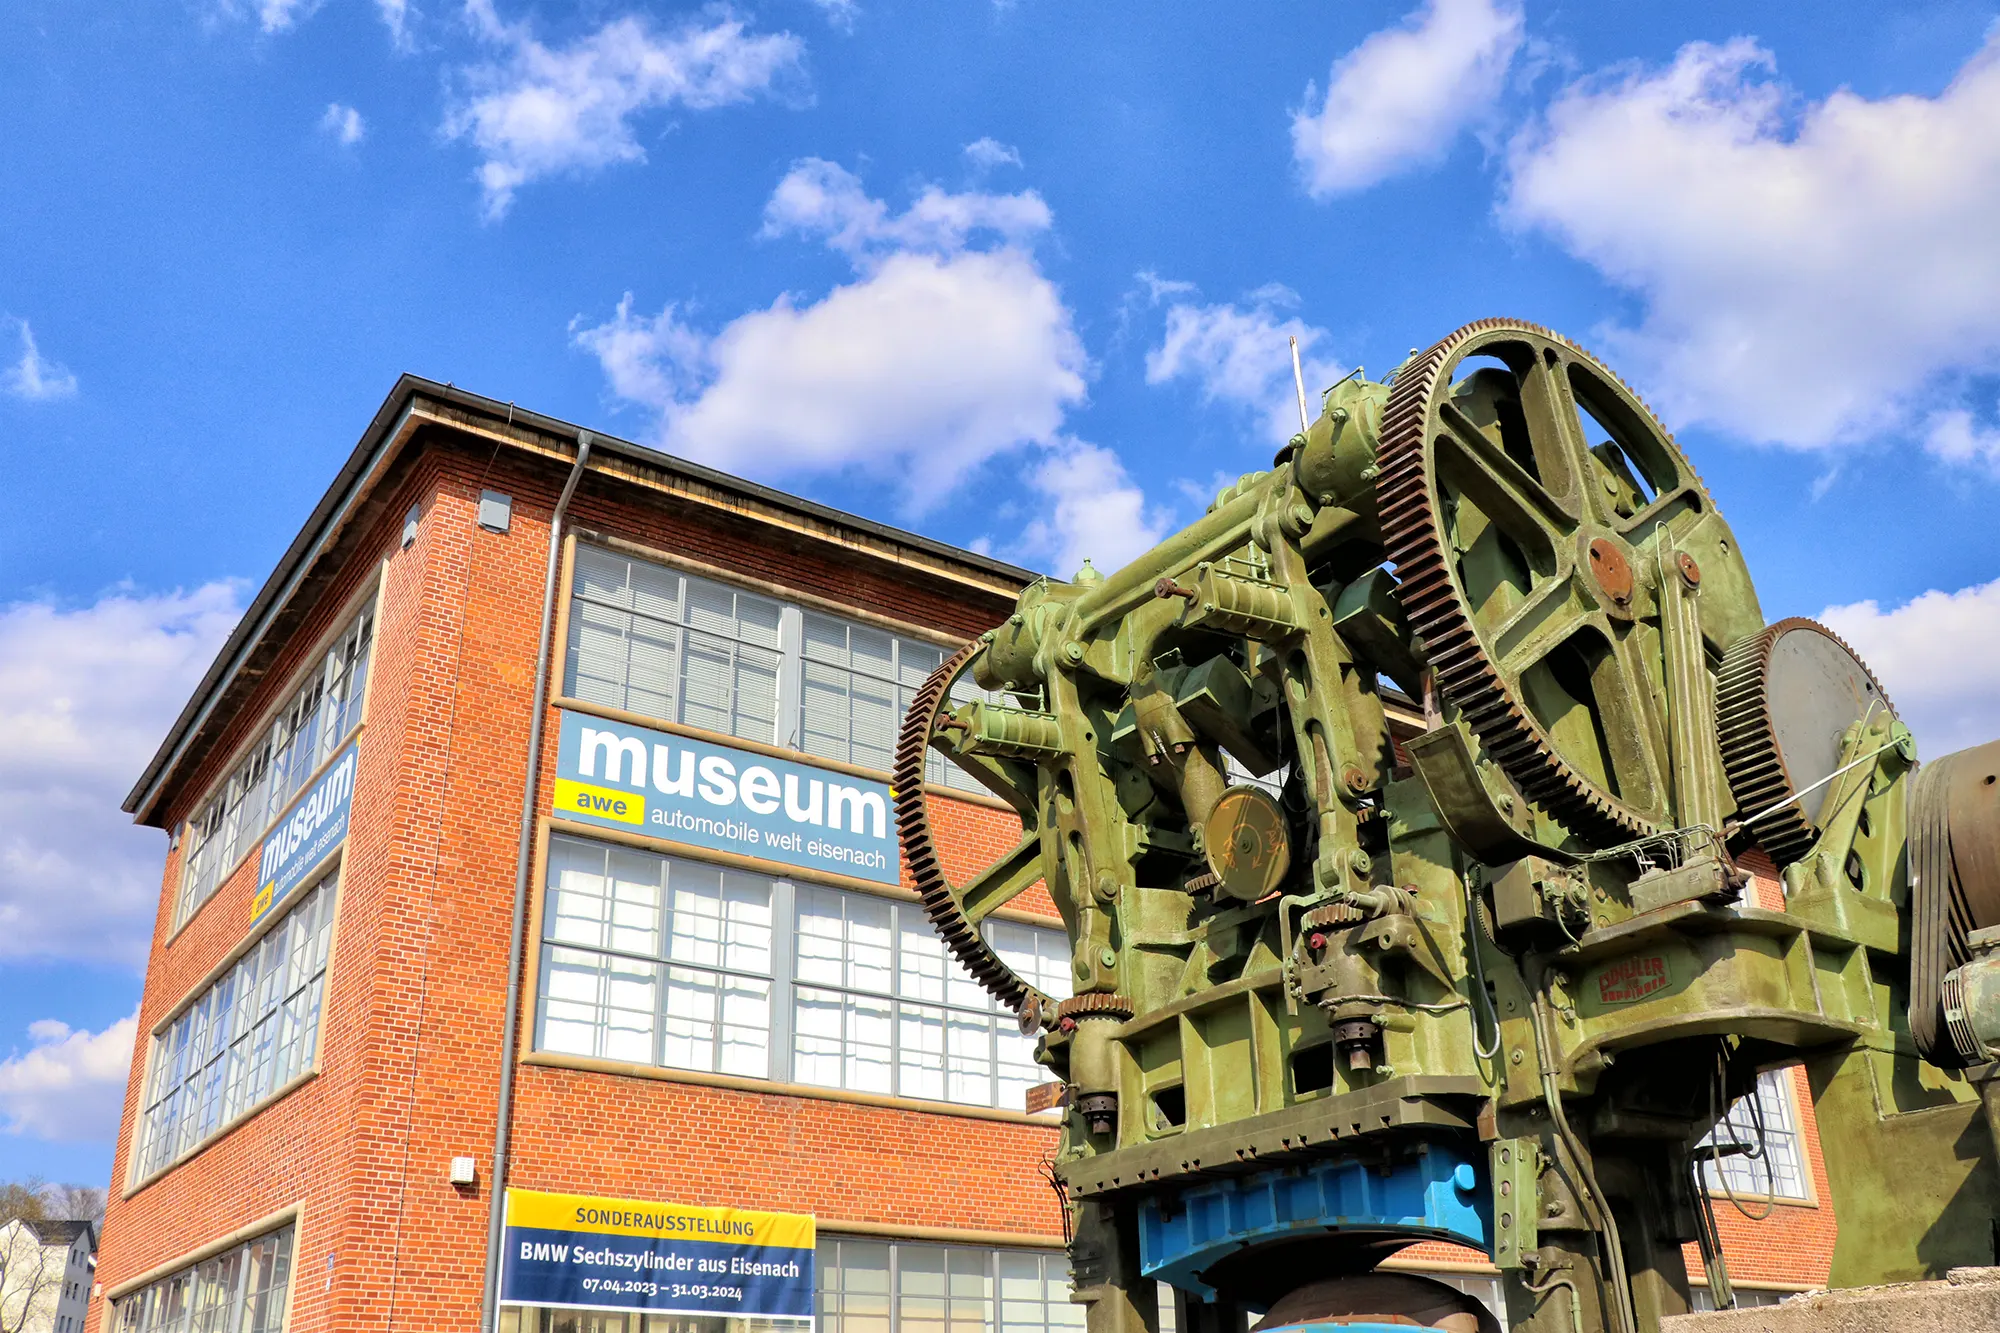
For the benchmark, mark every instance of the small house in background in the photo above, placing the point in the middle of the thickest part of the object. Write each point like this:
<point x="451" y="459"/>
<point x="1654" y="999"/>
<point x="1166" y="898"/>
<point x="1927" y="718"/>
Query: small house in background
<point x="45" y="1274"/>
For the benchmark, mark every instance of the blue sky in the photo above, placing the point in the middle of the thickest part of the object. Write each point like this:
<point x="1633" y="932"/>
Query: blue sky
<point x="1016" y="275"/>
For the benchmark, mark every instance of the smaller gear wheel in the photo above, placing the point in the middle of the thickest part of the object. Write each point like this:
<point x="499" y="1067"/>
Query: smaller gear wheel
<point x="1095" y="1004"/>
<point x="1784" y="698"/>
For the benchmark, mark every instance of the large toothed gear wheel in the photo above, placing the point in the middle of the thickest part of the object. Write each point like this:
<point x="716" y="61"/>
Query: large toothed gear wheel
<point x="1784" y="699"/>
<point x="1528" y="540"/>
<point x="956" y="910"/>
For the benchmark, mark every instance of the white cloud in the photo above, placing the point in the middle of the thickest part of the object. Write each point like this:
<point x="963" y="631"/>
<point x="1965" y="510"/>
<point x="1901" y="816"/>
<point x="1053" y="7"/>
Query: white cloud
<point x="1807" y="270"/>
<point x="31" y="377"/>
<point x="539" y="111"/>
<point x="1938" y="656"/>
<point x="1956" y="437"/>
<point x="1095" y="512"/>
<point x="85" y="696"/>
<point x="839" y="13"/>
<point x="68" y="1086"/>
<point x="396" y="17"/>
<point x="937" y="357"/>
<point x="276" y="16"/>
<point x="821" y="199"/>
<point x="1241" y="355"/>
<point x="986" y="154"/>
<point x="344" y="123"/>
<point x="280" y="15"/>
<point x="1400" y="99"/>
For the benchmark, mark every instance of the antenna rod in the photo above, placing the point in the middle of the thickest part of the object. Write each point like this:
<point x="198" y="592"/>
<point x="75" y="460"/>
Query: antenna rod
<point x="1299" y="379"/>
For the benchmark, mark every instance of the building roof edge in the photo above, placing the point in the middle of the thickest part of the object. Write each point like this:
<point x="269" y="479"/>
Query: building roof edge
<point x="382" y="440"/>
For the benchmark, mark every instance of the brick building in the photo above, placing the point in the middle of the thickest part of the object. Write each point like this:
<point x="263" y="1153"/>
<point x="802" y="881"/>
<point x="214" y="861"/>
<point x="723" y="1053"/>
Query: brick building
<point x="709" y="1010"/>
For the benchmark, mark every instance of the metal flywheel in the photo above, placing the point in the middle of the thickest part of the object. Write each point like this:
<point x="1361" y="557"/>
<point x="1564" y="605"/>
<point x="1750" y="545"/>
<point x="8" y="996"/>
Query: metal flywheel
<point x="1533" y="506"/>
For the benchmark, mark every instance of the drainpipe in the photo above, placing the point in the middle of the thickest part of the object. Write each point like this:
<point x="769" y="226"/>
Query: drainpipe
<point x="489" y="1304"/>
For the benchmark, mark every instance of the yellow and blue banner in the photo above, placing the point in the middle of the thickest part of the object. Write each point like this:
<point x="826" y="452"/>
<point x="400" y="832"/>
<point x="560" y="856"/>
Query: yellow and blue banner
<point x="300" y="843"/>
<point x="638" y="780"/>
<point x="583" y="1251"/>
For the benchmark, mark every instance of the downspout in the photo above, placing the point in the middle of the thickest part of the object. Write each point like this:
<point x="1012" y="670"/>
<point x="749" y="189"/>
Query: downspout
<point x="489" y="1304"/>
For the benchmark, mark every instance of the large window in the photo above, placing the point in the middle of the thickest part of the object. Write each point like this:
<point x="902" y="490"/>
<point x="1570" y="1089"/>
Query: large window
<point x="305" y="734"/>
<point x="660" y="643"/>
<point x="656" y="960"/>
<point x="241" y="1290"/>
<point x="655" y="641"/>
<point x="1782" y="1169"/>
<point x="880" y="1006"/>
<point x="242" y="1039"/>
<point x="876" y="1286"/>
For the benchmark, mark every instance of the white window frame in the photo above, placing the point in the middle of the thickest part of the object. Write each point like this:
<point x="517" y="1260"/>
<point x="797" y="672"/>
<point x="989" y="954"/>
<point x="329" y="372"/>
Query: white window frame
<point x="564" y="935"/>
<point x="987" y="1263"/>
<point x="679" y="631"/>
<point x="272" y="997"/>
<point x="229" y="824"/>
<point x="788" y="699"/>
<point x="204" y="1305"/>
<point x="1784" y="1136"/>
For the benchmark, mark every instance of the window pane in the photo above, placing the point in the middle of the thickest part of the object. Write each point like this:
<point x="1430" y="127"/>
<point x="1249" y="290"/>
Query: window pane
<point x="654" y="960"/>
<point x="241" y="1290"/>
<point x="650" y="639"/>
<point x="1781" y="1167"/>
<point x="323" y="708"/>
<point x="253" y="1030"/>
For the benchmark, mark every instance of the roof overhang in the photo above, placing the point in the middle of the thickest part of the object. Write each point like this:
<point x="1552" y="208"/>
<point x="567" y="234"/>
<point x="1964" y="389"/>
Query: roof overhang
<point x="353" y="501"/>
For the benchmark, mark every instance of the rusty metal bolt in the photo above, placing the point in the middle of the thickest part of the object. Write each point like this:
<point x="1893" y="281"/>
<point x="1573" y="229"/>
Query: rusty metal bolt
<point x="1689" y="569"/>
<point x="1166" y="587"/>
<point x="1611" y="570"/>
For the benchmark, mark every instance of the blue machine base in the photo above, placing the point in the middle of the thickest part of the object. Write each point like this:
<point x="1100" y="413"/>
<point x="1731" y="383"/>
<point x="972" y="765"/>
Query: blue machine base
<point x="1438" y="1193"/>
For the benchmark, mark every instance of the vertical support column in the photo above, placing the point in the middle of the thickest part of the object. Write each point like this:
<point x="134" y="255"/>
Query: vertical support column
<point x="1691" y="731"/>
<point x="1104" y="1272"/>
<point x="1195" y="1315"/>
<point x="1653" y="1221"/>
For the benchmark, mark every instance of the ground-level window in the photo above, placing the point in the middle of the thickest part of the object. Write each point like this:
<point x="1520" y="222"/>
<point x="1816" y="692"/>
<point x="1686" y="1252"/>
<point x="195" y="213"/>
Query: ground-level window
<point x="660" y="960"/>
<point x="1746" y="1298"/>
<point x="882" y="1286"/>
<point x="241" y="1290"/>
<point x="1781" y="1169"/>
<point x="242" y="1040"/>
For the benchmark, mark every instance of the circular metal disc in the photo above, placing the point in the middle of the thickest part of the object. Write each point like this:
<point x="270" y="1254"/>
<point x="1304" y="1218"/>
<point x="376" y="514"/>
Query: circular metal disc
<point x="1785" y="698"/>
<point x="1817" y="689"/>
<point x="1527" y="504"/>
<point x="1374" y="1299"/>
<point x="1248" y="847"/>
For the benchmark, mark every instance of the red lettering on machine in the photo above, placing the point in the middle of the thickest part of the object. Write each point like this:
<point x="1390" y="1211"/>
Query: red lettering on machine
<point x="1632" y="979"/>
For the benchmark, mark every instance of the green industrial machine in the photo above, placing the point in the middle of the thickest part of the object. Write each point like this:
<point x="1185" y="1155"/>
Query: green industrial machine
<point x="1492" y="976"/>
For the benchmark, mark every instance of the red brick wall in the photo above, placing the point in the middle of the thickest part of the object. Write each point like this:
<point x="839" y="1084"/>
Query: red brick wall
<point x="680" y="1142"/>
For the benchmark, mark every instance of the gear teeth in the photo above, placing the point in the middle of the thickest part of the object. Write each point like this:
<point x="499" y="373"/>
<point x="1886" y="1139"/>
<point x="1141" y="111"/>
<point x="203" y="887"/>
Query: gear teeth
<point x="1751" y="759"/>
<point x="1095" y="1004"/>
<point x="920" y="851"/>
<point x="1413" y="533"/>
